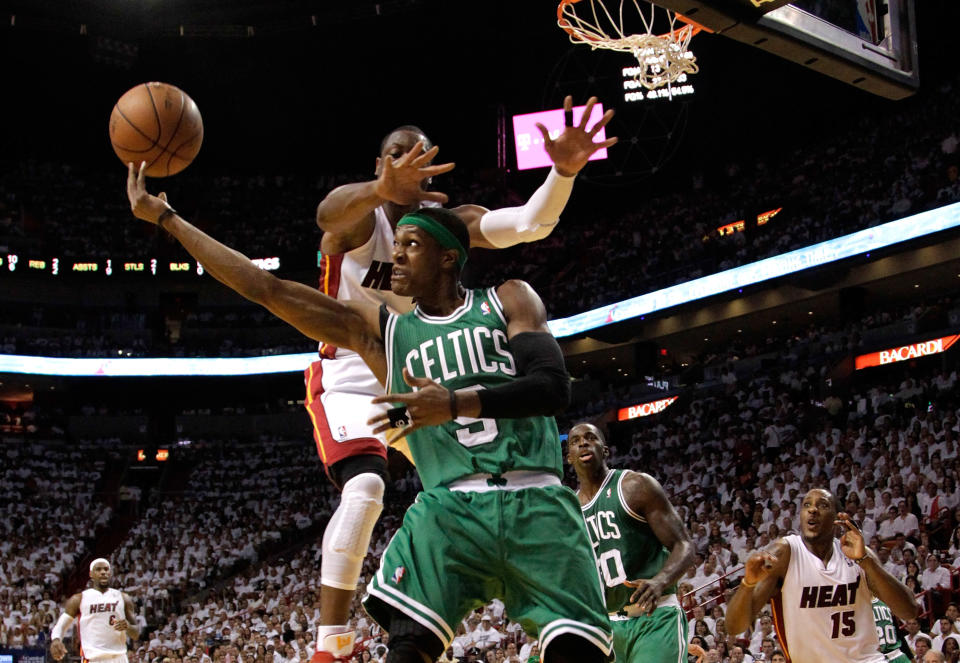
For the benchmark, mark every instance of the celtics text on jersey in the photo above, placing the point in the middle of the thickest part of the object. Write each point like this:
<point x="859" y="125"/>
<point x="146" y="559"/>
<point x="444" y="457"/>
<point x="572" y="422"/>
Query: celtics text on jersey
<point x="624" y="543"/>
<point x="467" y="349"/>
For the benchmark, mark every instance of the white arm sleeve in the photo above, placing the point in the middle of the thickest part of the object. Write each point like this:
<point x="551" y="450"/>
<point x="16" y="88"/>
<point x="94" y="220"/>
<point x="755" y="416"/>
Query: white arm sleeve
<point x="535" y="220"/>
<point x="62" y="624"/>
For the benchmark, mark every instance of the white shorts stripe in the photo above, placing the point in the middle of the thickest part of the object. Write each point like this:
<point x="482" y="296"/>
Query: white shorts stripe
<point x="373" y="591"/>
<point x="379" y="583"/>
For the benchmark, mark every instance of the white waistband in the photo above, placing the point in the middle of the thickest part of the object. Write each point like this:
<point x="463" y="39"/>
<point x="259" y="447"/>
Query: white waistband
<point x="894" y="655"/>
<point x="633" y="611"/>
<point x="515" y="480"/>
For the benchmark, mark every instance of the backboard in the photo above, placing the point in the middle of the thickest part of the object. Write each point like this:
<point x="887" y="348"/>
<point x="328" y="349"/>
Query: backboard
<point x="870" y="44"/>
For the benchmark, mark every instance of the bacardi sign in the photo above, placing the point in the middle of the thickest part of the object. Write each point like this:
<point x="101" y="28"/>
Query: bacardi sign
<point x="645" y="409"/>
<point x="903" y="353"/>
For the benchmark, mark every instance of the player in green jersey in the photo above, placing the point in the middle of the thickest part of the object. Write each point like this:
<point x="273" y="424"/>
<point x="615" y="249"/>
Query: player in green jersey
<point x="479" y="378"/>
<point x="642" y="548"/>
<point x="892" y="644"/>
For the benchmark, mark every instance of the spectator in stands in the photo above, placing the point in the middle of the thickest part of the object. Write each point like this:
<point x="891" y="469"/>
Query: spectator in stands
<point x="935" y="575"/>
<point x="947" y="629"/>
<point x="912" y="627"/>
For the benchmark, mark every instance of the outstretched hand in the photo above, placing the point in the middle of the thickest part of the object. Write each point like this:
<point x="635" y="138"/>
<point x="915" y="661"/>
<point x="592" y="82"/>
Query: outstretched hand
<point x="571" y="150"/>
<point x="428" y="406"/>
<point x="401" y="180"/>
<point x="144" y="206"/>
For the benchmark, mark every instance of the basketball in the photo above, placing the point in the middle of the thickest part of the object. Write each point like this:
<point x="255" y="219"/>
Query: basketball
<point x="157" y="123"/>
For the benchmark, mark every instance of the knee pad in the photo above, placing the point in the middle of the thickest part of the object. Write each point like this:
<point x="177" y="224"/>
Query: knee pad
<point x="347" y="537"/>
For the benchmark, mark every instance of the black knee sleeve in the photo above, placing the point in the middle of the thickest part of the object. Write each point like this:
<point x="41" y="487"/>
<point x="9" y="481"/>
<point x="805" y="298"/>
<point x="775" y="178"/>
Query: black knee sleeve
<point x="569" y="648"/>
<point x="411" y="642"/>
<point x="342" y="471"/>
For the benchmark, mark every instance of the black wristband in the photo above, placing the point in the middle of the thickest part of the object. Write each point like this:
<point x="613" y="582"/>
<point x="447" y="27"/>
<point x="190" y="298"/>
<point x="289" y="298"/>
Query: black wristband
<point x="164" y="215"/>
<point x="453" y="403"/>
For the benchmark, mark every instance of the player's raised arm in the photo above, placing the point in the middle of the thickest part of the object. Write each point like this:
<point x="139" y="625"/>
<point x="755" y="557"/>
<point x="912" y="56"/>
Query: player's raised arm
<point x="353" y="325"/>
<point x="400" y="180"/>
<point x="882" y="584"/>
<point x="570" y="151"/>
<point x="762" y="575"/>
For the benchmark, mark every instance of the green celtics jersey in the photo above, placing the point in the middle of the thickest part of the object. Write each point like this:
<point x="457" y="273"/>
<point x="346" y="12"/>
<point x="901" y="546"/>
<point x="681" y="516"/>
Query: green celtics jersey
<point x="467" y="349"/>
<point x="887" y="632"/>
<point x="624" y="544"/>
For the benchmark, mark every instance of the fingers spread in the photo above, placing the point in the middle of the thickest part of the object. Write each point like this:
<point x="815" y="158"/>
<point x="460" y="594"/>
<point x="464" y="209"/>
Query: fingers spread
<point x="412" y="154"/>
<point x="607" y="143"/>
<point x="414" y="381"/>
<point x="427" y="156"/>
<point x="546" y="134"/>
<point x="439" y="169"/>
<point x="601" y="123"/>
<point x="392" y="398"/>
<point x="587" y="111"/>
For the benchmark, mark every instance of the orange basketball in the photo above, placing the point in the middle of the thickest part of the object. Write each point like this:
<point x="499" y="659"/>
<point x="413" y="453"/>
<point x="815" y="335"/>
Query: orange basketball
<point x="157" y="123"/>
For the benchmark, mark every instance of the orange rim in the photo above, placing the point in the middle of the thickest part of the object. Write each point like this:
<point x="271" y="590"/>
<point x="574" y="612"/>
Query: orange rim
<point x="696" y="27"/>
<point x="570" y="30"/>
<point x="565" y="24"/>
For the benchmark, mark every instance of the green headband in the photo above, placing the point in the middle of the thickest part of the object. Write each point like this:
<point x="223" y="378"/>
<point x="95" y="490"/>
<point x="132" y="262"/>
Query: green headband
<point x="444" y="237"/>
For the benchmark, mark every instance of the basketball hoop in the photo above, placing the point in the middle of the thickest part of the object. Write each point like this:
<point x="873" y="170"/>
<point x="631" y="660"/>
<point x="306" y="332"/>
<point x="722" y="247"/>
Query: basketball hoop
<point x="662" y="58"/>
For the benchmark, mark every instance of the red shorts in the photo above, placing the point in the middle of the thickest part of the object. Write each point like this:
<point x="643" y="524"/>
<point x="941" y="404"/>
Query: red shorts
<point x="338" y="398"/>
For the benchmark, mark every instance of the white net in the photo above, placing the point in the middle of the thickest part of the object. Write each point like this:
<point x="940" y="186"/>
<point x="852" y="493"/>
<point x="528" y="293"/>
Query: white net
<point x="662" y="58"/>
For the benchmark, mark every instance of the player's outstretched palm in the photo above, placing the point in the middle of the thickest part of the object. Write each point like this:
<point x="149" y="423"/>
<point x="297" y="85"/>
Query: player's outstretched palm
<point x="401" y="180"/>
<point x="571" y="150"/>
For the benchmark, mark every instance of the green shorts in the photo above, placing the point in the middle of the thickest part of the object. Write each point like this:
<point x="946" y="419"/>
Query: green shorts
<point x="657" y="638"/>
<point x="455" y="551"/>
<point x="901" y="658"/>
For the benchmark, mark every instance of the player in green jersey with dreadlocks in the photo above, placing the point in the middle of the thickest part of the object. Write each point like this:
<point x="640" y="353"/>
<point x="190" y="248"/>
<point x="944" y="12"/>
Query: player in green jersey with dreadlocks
<point x="478" y="377"/>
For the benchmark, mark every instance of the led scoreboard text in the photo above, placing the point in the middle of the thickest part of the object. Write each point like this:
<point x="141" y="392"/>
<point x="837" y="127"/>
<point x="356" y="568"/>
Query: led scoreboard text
<point x="17" y="264"/>
<point x="633" y="90"/>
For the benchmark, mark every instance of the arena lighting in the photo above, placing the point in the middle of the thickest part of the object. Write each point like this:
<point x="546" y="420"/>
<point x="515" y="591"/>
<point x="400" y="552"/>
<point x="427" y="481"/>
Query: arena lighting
<point x="870" y="239"/>
<point x="911" y="227"/>
<point x="931" y="346"/>
<point x="156" y="366"/>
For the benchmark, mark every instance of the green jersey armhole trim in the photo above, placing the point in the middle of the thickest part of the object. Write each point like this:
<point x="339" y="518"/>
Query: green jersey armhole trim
<point x="623" y="501"/>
